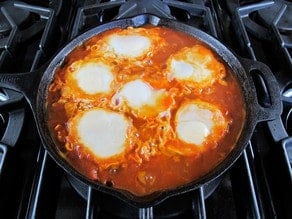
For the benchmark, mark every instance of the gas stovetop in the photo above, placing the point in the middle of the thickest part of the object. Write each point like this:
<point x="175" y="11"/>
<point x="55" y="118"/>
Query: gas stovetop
<point x="31" y="185"/>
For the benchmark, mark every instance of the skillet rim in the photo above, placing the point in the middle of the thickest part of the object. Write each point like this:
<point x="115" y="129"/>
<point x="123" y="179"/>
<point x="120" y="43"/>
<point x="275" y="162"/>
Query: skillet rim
<point x="222" y="51"/>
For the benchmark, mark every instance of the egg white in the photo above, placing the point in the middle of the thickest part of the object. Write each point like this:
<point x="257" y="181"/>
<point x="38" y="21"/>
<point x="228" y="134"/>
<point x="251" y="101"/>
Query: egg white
<point x="93" y="78"/>
<point x="142" y="98"/>
<point x="196" y="64"/>
<point x="195" y="121"/>
<point x="129" y="45"/>
<point x="103" y="132"/>
<point x="137" y="93"/>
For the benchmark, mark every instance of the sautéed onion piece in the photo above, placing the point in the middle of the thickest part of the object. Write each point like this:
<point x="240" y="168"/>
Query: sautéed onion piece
<point x="146" y="109"/>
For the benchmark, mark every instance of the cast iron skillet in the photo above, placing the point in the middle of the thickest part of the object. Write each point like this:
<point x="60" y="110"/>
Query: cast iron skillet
<point x="34" y="86"/>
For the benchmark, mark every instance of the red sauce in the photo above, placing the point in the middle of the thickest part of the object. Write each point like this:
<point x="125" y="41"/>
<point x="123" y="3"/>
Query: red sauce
<point x="162" y="169"/>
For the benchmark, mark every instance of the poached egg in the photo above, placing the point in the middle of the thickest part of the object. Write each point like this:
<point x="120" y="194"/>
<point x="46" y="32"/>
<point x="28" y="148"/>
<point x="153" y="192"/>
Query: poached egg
<point x="195" y="64"/>
<point x="101" y="131"/>
<point x="197" y="120"/>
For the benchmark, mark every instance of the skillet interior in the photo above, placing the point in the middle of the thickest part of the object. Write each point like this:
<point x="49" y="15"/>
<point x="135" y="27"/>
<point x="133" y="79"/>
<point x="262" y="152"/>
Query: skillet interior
<point x="155" y="198"/>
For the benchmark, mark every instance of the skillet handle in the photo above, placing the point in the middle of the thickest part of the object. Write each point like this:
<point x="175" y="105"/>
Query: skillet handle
<point x="26" y="83"/>
<point x="267" y="91"/>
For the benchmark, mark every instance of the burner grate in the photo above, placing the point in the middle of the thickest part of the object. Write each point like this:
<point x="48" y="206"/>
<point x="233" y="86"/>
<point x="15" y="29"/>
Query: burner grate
<point x="268" y="21"/>
<point x="35" y="187"/>
<point x="195" y="13"/>
<point x="33" y="36"/>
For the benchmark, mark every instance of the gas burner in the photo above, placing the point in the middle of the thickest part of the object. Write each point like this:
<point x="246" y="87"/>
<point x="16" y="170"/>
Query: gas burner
<point x="29" y="30"/>
<point x="248" y="13"/>
<point x="20" y="17"/>
<point x="278" y="19"/>
<point x="264" y="24"/>
<point x="19" y="22"/>
<point x="269" y="15"/>
<point x="261" y="15"/>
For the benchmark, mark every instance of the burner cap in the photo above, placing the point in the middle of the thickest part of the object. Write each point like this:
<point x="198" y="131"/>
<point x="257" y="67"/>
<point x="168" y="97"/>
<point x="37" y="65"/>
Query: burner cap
<point x="19" y="16"/>
<point x="269" y="14"/>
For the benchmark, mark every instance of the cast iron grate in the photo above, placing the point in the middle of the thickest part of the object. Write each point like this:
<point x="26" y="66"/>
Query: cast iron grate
<point x="41" y="189"/>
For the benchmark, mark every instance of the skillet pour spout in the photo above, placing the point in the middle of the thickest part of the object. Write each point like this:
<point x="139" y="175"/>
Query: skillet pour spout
<point x="35" y="85"/>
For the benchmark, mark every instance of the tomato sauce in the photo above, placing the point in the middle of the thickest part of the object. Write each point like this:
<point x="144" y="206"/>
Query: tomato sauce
<point x="166" y="162"/>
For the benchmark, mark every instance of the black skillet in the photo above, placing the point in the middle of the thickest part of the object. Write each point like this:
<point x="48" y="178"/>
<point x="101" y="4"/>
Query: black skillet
<point x="34" y="86"/>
